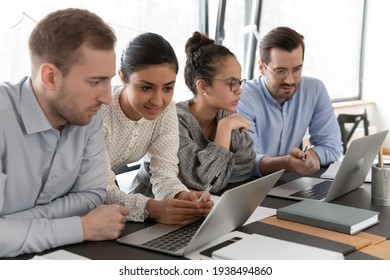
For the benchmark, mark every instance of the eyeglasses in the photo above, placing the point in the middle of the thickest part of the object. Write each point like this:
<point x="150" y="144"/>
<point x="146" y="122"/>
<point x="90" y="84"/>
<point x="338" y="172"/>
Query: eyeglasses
<point x="282" y="73"/>
<point x="233" y="83"/>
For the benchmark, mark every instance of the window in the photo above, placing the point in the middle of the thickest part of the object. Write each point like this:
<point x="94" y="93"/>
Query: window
<point x="333" y="37"/>
<point x="176" y="20"/>
<point x="332" y="30"/>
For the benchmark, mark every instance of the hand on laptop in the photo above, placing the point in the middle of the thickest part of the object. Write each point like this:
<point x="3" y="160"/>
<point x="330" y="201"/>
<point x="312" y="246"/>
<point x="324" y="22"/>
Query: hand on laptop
<point x="303" y="163"/>
<point x="206" y="203"/>
<point x="179" y="209"/>
<point x="105" y="222"/>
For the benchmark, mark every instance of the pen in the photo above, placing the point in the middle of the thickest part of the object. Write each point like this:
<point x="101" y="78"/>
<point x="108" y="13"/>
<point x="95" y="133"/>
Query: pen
<point x="380" y="157"/>
<point x="208" y="188"/>
<point x="305" y="150"/>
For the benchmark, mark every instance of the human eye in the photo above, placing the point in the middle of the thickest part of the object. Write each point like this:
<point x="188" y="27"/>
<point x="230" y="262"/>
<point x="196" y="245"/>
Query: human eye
<point x="281" y="71"/>
<point x="168" y="88"/>
<point x="94" y="83"/>
<point x="146" y="88"/>
<point x="238" y="82"/>
<point x="297" y="69"/>
<point x="232" y="81"/>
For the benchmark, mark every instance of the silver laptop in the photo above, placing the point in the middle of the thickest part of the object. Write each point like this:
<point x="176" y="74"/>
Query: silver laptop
<point x="230" y="212"/>
<point x="351" y="174"/>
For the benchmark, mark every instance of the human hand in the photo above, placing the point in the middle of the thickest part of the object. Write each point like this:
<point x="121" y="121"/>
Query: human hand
<point x="105" y="222"/>
<point x="303" y="163"/>
<point x="235" y="121"/>
<point x="206" y="203"/>
<point x="226" y="126"/>
<point x="190" y="196"/>
<point x="174" y="211"/>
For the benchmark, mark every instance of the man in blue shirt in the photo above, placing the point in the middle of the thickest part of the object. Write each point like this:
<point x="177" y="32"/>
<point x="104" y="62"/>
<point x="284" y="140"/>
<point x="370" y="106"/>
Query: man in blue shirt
<point x="52" y="166"/>
<point x="282" y="105"/>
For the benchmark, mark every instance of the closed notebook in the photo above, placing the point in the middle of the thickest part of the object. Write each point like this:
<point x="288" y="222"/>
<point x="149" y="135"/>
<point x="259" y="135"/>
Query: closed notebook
<point x="330" y="216"/>
<point x="207" y="254"/>
<point x="260" y="247"/>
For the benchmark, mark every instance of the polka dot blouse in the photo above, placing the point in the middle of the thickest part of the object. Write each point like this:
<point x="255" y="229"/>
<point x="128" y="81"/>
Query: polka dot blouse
<point x="128" y="141"/>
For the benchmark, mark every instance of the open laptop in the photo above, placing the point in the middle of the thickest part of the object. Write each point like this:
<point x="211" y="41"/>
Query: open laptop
<point x="351" y="174"/>
<point x="230" y="212"/>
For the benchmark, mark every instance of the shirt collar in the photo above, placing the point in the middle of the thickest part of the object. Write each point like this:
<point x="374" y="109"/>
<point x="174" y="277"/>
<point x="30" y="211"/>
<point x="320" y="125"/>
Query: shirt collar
<point x="33" y="118"/>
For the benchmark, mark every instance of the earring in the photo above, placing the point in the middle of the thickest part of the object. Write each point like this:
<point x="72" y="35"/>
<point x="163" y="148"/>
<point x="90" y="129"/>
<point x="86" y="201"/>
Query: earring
<point x="204" y="93"/>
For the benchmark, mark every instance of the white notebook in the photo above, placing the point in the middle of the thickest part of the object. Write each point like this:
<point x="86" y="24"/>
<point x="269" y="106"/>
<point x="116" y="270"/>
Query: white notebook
<point x="260" y="247"/>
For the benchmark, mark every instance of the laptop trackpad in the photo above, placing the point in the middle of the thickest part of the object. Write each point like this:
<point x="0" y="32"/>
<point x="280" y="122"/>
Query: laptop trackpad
<point x="294" y="186"/>
<point x="146" y="234"/>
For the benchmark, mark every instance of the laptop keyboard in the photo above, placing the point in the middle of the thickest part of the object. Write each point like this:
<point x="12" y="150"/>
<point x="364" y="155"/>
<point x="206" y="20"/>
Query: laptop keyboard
<point x="175" y="240"/>
<point x="317" y="191"/>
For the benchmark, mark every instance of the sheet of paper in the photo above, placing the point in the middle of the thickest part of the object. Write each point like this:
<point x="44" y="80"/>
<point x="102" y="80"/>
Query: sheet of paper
<point x="260" y="247"/>
<point x="60" y="255"/>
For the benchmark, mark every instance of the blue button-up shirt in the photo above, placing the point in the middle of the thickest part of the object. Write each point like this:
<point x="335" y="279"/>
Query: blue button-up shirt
<point x="48" y="178"/>
<point x="280" y="128"/>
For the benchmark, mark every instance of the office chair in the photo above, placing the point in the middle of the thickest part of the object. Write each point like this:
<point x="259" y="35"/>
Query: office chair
<point x="126" y="169"/>
<point x="354" y="119"/>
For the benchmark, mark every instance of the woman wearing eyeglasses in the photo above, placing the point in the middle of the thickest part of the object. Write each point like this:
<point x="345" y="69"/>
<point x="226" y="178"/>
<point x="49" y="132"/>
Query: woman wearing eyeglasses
<point x="213" y="139"/>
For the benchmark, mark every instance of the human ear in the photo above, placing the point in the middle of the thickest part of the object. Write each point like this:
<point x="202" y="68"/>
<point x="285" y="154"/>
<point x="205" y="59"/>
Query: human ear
<point x="122" y="77"/>
<point x="261" y="67"/>
<point x="201" y="86"/>
<point x="49" y="76"/>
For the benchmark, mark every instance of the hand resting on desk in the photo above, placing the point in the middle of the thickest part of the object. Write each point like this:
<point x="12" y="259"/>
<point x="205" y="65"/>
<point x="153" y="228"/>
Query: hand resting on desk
<point x="105" y="222"/>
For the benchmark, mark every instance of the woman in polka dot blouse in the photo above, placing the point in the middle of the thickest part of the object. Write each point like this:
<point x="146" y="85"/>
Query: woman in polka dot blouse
<point x="213" y="137"/>
<point x="142" y="121"/>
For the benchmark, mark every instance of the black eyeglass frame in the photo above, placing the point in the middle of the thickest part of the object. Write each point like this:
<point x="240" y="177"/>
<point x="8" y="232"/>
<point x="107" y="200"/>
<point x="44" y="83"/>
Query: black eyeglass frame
<point x="234" y="83"/>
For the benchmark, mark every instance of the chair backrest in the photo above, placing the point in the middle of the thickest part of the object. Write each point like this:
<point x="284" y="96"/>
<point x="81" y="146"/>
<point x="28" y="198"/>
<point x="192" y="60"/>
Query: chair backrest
<point x="347" y="131"/>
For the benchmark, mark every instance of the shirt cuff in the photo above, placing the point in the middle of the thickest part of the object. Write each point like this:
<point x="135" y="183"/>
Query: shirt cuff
<point x="69" y="231"/>
<point x="256" y="167"/>
<point x="137" y="213"/>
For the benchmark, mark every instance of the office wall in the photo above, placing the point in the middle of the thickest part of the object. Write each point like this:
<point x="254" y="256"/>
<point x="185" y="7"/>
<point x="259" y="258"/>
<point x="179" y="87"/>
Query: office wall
<point x="376" y="75"/>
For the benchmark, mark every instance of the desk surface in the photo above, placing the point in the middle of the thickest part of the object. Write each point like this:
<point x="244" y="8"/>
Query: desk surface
<point x="111" y="250"/>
